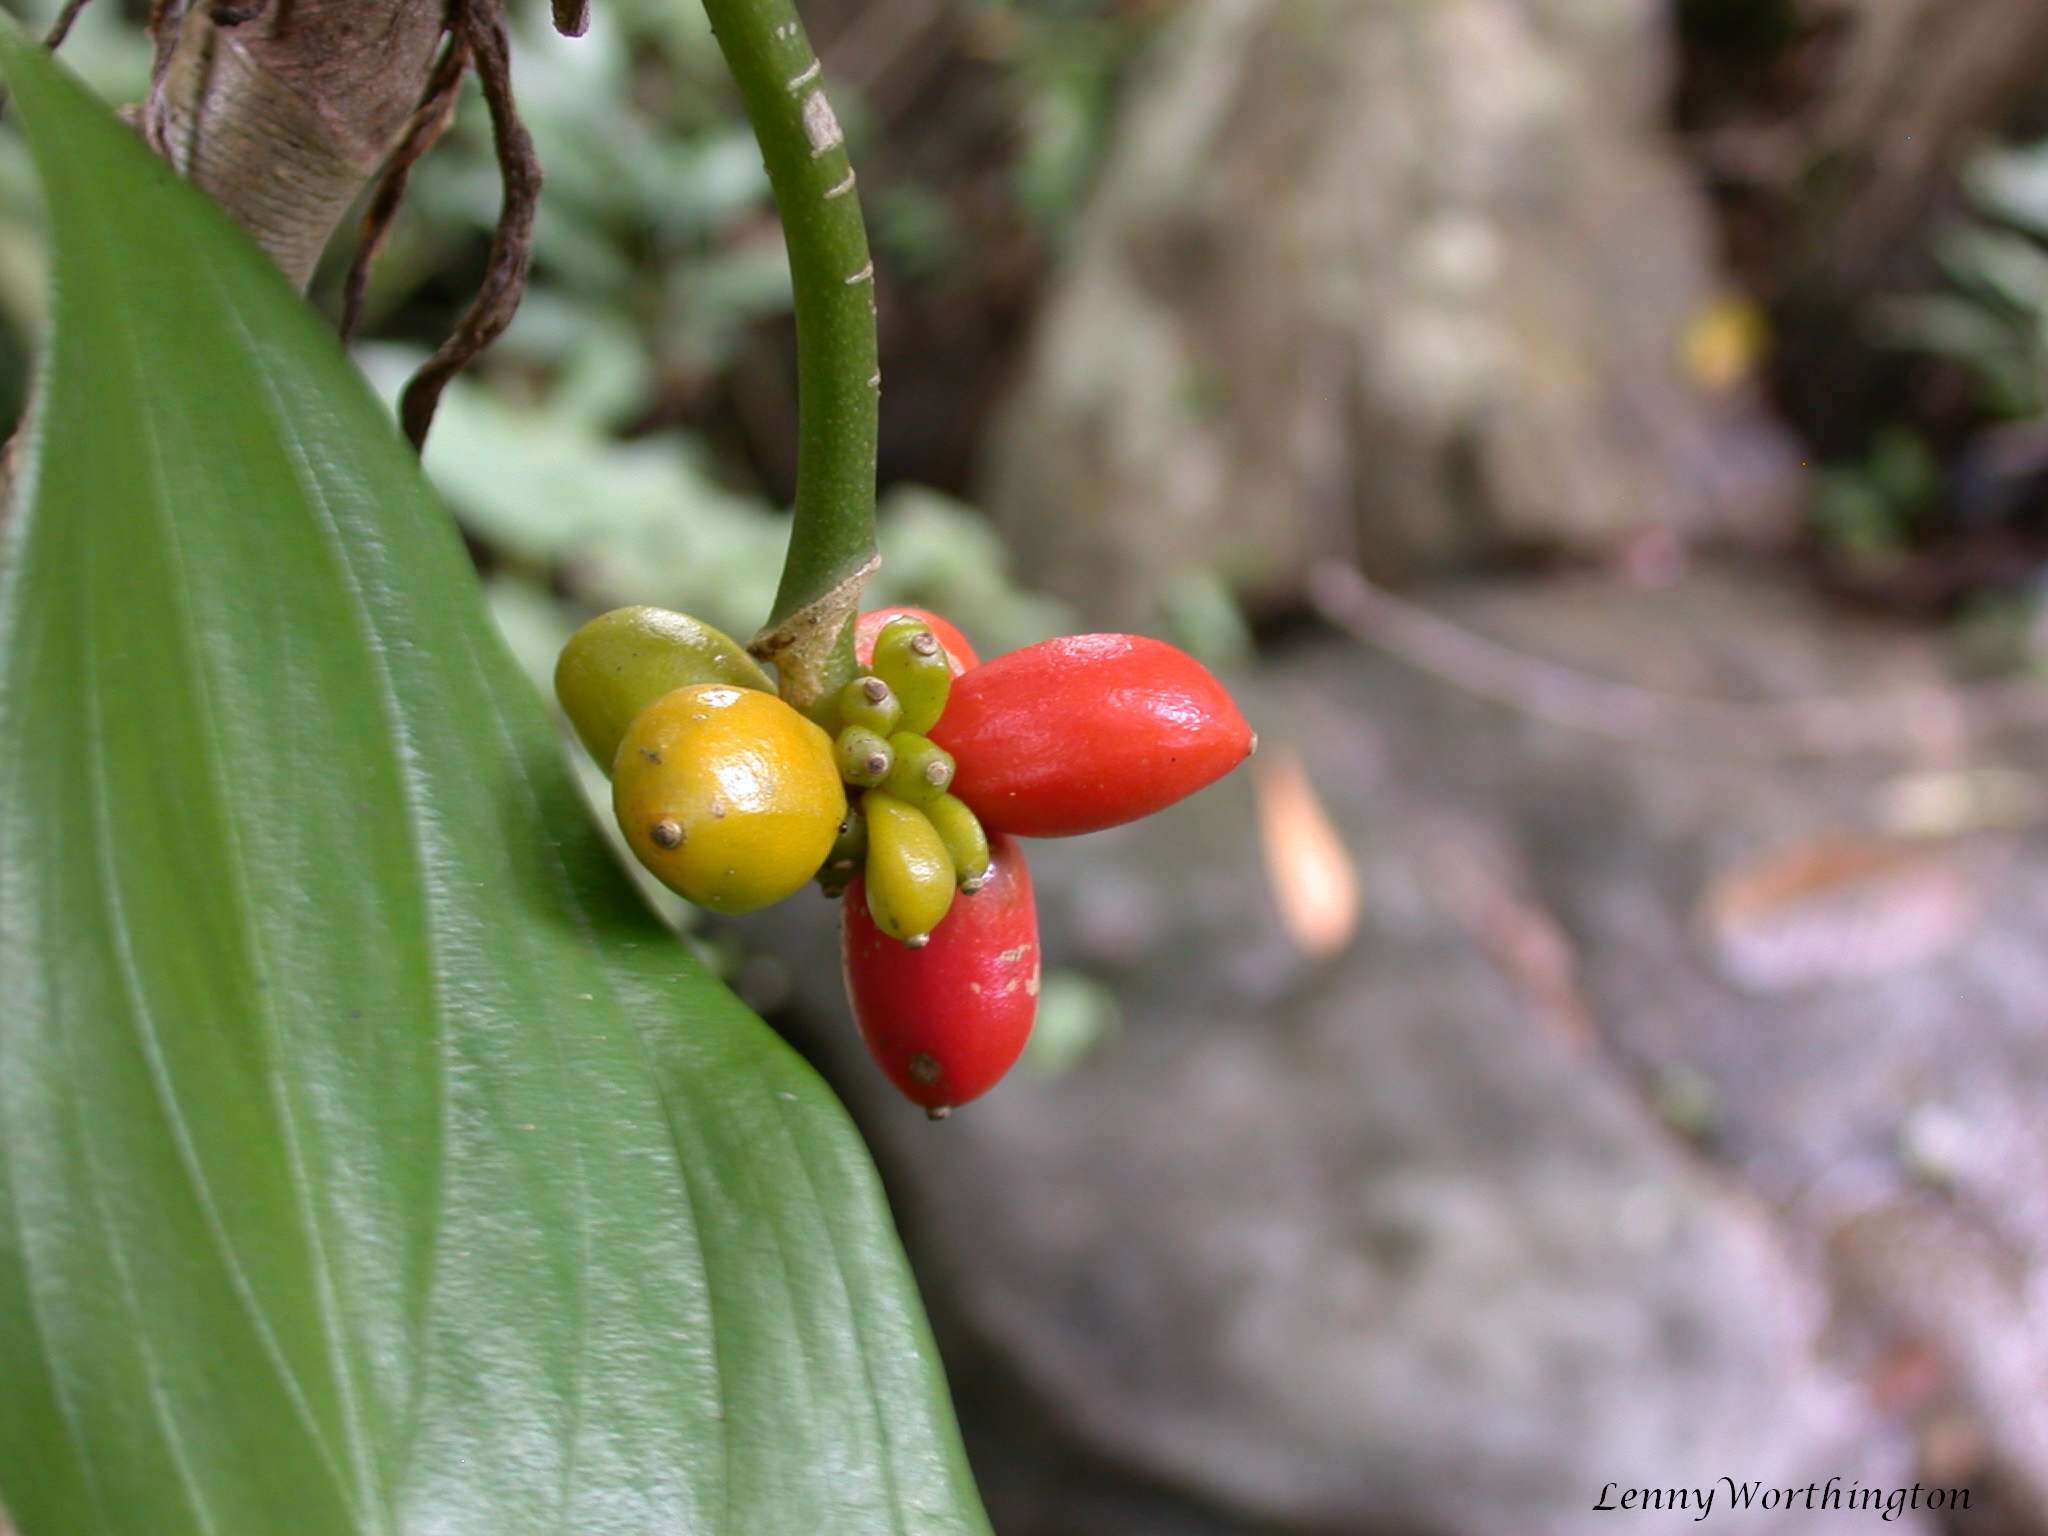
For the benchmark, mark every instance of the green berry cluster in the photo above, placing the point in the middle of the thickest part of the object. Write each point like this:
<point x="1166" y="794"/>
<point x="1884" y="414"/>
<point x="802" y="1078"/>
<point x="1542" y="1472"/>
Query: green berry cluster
<point x="915" y="843"/>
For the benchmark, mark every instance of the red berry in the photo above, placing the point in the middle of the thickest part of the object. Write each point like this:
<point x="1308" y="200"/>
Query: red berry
<point x="869" y="625"/>
<point x="1087" y="732"/>
<point x="946" y="1021"/>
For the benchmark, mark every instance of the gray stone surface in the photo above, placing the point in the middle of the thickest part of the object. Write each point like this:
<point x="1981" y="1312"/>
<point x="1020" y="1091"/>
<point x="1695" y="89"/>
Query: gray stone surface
<point x="1546" y="1179"/>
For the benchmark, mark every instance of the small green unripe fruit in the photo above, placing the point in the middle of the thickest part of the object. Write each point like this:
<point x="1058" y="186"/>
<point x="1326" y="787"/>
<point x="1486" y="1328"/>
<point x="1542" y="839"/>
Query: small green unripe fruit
<point x="909" y="658"/>
<point x="909" y="878"/>
<point x="922" y="772"/>
<point x="864" y="758"/>
<point x="966" y="843"/>
<point x="870" y="703"/>
<point x="849" y="853"/>
<point x="622" y="661"/>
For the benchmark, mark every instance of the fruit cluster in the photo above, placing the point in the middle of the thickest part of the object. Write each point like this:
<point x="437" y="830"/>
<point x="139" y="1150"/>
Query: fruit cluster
<point x="734" y="800"/>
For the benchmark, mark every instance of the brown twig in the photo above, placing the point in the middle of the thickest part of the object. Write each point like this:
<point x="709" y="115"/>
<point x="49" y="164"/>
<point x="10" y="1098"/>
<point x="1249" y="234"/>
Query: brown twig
<point x="480" y="25"/>
<point x="477" y="40"/>
<point x="428" y="122"/>
<point x="1900" y="724"/>
<point x="165" y="18"/>
<point x="61" y="27"/>
<point x="572" y="17"/>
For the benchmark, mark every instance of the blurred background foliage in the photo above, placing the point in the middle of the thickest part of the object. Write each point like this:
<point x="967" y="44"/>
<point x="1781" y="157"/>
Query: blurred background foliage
<point x="630" y="437"/>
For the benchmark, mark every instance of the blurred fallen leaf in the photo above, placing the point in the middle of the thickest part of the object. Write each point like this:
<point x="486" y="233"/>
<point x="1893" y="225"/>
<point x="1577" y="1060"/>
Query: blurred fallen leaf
<point x="1723" y="343"/>
<point x="1484" y="882"/>
<point x="1908" y="1377"/>
<point x="1954" y="1447"/>
<point x="1946" y="802"/>
<point x="1830" y="909"/>
<point x="1313" y="878"/>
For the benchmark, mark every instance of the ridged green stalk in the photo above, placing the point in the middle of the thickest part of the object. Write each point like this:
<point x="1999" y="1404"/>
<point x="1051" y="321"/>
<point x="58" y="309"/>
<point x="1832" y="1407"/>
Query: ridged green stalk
<point x="809" y="634"/>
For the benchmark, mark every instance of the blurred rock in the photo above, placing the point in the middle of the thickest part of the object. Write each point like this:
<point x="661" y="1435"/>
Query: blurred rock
<point x="1414" y="282"/>
<point x="1523" y="1191"/>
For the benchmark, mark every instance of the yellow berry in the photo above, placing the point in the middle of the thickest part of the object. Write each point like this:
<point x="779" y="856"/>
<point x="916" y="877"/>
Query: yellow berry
<point x="728" y="795"/>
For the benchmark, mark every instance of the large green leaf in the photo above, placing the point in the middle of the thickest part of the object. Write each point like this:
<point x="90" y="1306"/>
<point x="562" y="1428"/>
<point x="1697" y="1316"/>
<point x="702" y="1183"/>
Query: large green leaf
<point x="369" y="1161"/>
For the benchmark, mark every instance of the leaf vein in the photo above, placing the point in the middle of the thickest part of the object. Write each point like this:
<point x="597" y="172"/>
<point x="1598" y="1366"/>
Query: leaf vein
<point x="210" y="735"/>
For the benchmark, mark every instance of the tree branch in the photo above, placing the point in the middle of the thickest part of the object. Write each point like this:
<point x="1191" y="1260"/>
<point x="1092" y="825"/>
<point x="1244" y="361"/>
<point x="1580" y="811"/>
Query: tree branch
<point x="284" y="115"/>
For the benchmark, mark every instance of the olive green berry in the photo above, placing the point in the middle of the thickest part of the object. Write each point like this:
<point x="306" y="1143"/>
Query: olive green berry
<point x="909" y="658"/>
<point x="923" y="770"/>
<point x="966" y="843"/>
<point x="849" y="852"/>
<point x="864" y="758"/>
<point x="622" y="661"/>
<point x="869" y="702"/>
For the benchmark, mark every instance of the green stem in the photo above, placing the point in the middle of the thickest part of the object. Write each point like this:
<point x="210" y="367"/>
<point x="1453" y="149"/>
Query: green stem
<point x="809" y="634"/>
